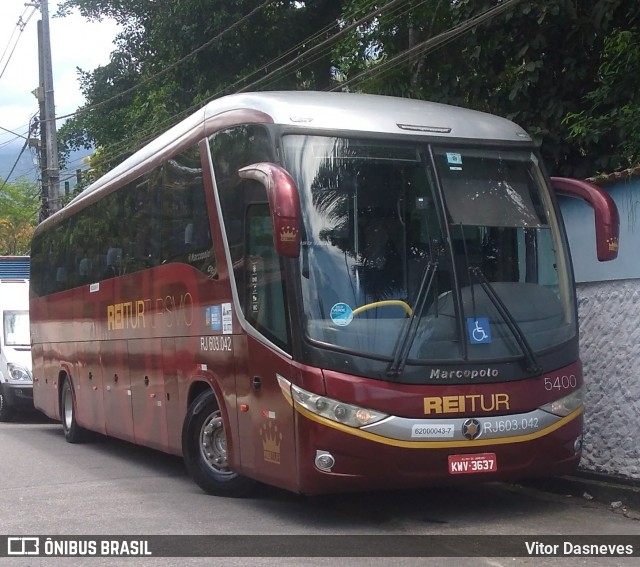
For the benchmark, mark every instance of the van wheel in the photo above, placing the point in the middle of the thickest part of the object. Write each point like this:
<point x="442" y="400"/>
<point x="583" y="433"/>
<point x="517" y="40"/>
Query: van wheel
<point x="204" y="446"/>
<point x="6" y="412"/>
<point x="73" y="433"/>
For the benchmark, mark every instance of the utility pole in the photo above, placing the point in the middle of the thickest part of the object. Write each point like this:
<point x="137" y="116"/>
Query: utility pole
<point x="42" y="147"/>
<point x="48" y="132"/>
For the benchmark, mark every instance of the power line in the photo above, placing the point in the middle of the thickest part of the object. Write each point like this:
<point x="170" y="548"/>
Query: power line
<point x="291" y="50"/>
<point x="16" y="135"/>
<point x="313" y="51"/>
<point x="21" y="25"/>
<point x="24" y="147"/>
<point x="419" y="49"/>
<point x="431" y="43"/>
<point x="327" y="42"/>
<point x="169" y="67"/>
<point x="396" y="11"/>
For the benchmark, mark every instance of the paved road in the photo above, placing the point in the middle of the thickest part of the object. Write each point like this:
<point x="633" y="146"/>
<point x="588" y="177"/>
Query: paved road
<point x="48" y="486"/>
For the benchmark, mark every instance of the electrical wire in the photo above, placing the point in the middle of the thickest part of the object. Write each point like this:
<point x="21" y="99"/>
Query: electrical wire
<point x="32" y="126"/>
<point x="431" y="43"/>
<point x="396" y="12"/>
<point x="401" y="58"/>
<point x="169" y="67"/>
<point x="392" y="5"/>
<point x="24" y="147"/>
<point x="16" y="136"/>
<point x="21" y="24"/>
<point x="327" y="42"/>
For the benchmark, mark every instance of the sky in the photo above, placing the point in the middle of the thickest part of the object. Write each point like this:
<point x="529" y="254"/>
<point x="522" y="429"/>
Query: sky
<point x="75" y="42"/>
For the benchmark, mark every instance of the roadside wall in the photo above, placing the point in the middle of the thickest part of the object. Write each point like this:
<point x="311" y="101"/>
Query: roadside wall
<point x="609" y="315"/>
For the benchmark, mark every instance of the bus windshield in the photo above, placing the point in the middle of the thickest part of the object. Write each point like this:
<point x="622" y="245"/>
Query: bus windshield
<point x="472" y="227"/>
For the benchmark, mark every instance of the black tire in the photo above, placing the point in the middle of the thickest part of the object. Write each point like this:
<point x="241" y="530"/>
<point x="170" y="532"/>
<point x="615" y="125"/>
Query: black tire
<point x="204" y="447"/>
<point x="73" y="433"/>
<point x="6" y="412"/>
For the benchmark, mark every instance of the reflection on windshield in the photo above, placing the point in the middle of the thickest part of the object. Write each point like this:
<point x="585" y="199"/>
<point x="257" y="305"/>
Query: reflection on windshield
<point x="16" y="328"/>
<point x="374" y="220"/>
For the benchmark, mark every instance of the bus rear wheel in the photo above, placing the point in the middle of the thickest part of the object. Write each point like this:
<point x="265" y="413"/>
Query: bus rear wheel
<point x="73" y="433"/>
<point x="204" y="447"/>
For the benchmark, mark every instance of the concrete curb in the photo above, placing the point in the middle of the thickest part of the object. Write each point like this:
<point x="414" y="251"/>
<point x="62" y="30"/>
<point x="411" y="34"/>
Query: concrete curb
<point x="617" y="493"/>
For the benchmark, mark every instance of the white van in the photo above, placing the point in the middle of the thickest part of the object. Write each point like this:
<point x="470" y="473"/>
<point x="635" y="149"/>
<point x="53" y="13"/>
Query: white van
<point x="16" y="383"/>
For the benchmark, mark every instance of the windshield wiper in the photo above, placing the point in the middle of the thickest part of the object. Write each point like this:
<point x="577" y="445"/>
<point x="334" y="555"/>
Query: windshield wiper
<point x="408" y="334"/>
<point x="532" y="364"/>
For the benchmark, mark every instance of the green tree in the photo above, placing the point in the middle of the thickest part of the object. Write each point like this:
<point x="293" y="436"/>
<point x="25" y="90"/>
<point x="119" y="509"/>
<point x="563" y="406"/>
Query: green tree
<point x="610" y="123"/>
<point x="173" y="56"/>
<point x="534" y="64"/>
<point x="19" y="209"/>
<point x="562" y="69"/>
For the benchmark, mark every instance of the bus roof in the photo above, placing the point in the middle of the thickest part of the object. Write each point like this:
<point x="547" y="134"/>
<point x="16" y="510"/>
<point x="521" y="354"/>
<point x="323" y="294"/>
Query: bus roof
<point x="371" y="113"/>
<point x="317" y="110"/>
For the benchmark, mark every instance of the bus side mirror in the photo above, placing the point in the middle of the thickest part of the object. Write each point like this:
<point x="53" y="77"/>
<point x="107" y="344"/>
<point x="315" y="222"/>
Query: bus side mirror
<point x="606" y="213"/>
<point x="284" y="204"/>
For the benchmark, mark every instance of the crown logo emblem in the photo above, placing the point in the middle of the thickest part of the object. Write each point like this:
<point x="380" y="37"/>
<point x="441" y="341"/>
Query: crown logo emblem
<point x="271" y="439"/>
<point x="288" y="234"/>
<point x="613" y="244"/>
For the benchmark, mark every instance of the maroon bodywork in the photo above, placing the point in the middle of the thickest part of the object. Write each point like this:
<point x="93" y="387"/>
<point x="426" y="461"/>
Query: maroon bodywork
<point x="138" y="350"/>
<point x="607" y="221"/>
<point x="136" y="384"/>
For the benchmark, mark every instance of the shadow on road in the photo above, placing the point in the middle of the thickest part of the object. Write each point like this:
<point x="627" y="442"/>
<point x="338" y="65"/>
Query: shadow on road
<point x="29" y="416"/>
<point x="435" y="508"/>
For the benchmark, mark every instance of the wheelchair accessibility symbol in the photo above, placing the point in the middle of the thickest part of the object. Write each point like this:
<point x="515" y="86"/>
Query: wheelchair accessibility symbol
<point x="479" y="330"/>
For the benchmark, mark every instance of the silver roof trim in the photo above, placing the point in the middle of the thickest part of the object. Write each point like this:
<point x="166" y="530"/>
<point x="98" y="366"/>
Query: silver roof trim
<point x="371" y="113"/>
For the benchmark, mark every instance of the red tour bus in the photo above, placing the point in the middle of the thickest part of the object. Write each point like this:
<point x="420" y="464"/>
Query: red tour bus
<point x="323" y="292"/>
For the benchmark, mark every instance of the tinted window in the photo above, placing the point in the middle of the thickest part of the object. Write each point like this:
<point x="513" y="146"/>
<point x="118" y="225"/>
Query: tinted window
<point x="247" y="222"/>
<point x="159" y="218"/>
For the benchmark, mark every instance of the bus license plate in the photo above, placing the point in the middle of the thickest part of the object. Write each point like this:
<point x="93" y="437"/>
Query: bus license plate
<point x="478" y="463"/>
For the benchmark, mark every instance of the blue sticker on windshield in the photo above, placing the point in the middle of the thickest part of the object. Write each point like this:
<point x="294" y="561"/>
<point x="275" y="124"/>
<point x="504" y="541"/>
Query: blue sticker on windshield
<point x="341" y="314"/>
<point x="455" y="161"/>
<point x="479" y="330"/>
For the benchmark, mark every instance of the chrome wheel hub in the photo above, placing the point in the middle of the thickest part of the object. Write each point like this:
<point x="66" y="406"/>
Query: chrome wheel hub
<point x="67" y="404"/>
<point x="213" y="444"/>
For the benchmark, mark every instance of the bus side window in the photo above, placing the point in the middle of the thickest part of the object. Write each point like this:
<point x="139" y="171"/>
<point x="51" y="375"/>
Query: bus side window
<point x="186" y="236"/>
<point x="248" y="227"/>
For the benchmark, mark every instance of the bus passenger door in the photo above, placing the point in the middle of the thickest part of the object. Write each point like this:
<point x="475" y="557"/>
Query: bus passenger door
<point x="147" y="393"/>
<point x="117" y="389"/>
<point x="265" y="419"/>
<point x="267" y="426"/>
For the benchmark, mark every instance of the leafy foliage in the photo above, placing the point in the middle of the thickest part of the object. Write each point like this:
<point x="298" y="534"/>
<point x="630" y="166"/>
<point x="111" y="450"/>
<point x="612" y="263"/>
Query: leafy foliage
<point x="562" y="69"/>
<point x="172" y="57"/>
<point x="534" y="64"/>
<point x="611" y="121"/>
<point x="19" y="208"/>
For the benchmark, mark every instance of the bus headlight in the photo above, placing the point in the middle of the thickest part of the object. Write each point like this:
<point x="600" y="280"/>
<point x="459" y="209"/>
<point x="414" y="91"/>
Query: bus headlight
<point x="18" y="373"/>
<point x="340" y="412"/>
<point x="567" y="404"/>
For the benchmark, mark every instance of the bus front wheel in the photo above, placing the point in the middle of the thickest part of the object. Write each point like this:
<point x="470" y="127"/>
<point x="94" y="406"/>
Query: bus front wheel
<point x="204" y="447"/>
<point x="73" y="433"/>
<point x="6" y="412"/>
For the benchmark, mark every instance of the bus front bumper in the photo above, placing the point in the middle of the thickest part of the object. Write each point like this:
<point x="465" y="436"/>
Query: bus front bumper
<point x="366" y="463"/>
<point x="17" y="395"/>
